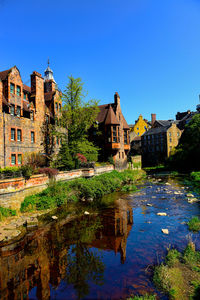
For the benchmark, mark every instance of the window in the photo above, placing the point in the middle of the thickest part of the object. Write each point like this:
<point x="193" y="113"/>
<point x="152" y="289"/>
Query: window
<point x="12" y="88"/>
<point x="31" y="116"/>
<point x="114" y="134"/>
<point x="56" y="106"/>
<point x="12" y="110"/>
<point x="170" y="134"/>
<point x="126" y="137"/>
<point x="32" y="137"/>
<point x="60" y="107"/>
<point x="12" y="134"/>
<point x="178" y="134"/>
<point x="13" y="159"/>
<point x="119" y="154"/>
<point x="24" y="96"/>
<point x="19" y="135"/>
<point x="57" y="140"/>
<point x="170" y="140"/>
<point x="18" y="90"/>
<point x="18" y="111"/>
<point x="19" y="159"/>
<point x="122" y="154"/>
<point x="47" y="118"/>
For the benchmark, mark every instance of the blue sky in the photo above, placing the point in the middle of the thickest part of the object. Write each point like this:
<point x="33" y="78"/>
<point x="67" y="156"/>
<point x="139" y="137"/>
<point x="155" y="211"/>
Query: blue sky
<point x="147" y="50"/>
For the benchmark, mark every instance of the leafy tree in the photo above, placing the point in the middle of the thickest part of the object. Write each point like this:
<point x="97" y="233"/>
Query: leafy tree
<point x="186" y="156"/>
<point x="77" y="116"/>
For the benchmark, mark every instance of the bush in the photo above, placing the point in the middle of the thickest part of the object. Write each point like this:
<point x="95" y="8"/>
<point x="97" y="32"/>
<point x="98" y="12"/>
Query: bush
<point x="172" y="257"/>
<point x="12" y="172"/>
<point x="194" y="224"/>
<point x="111" y="160"/>
<point x="146" y="297"/>
<point x="48" y="171"/>
<point x="27" y="171"/>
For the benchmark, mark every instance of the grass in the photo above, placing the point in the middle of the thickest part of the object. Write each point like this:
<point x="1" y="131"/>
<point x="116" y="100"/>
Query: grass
<point x="6" y="212"/>
<point x="194" y="224"/>
<point x="59" y="193"/>
<point x="179" y="275"/>
<point x="146" y="297"/>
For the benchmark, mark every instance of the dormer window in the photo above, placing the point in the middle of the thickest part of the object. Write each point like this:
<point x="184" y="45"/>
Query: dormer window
<point x="12" y="88"/>
<point x="18" y="90"/>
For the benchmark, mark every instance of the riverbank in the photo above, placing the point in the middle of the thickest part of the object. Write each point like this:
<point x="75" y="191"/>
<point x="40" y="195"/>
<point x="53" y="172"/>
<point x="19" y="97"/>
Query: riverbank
<point x="61" y="194"/>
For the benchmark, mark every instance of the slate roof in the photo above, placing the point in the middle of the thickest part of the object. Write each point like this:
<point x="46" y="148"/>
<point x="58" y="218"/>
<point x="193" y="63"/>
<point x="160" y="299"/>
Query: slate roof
<point x="110" y="117"/>
<point x="164" y="122"/>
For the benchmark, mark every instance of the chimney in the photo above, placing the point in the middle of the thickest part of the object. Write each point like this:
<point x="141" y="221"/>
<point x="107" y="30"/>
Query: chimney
<point x="153" y="119"/>
<point x="117" y="98"/>
<point x="37" y="91"/>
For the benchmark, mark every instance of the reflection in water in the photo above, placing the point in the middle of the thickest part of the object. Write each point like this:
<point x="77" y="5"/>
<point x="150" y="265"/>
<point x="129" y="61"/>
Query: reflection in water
<point x="64" y="252"/>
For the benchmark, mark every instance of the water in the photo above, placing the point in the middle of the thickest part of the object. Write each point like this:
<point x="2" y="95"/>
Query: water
<point x="105" y="255"/>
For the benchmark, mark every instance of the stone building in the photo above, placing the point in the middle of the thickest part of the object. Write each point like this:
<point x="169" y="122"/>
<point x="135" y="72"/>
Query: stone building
<point x="24" y="114"/>
<point x="113" y="140"/>
<point x="159" y="141"/>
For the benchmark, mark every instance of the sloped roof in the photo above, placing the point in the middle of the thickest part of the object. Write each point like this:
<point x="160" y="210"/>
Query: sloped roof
<point x="111" y="118"/>
<point x="26" y="88"/>
<point x="4" y="74"/>
<point x="164" y="122"/>
<point x="125" y="125"/>
<point x="157" y="130"/>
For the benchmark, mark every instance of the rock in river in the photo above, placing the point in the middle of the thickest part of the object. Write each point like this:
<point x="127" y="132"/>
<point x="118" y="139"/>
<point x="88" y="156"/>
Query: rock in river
<point x="161" y="214"/>
<point x="165" y="231"/>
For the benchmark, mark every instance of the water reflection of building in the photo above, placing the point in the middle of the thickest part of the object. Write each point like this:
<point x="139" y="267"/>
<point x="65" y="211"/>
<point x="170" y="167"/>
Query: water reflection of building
<point x="40" y="259"/>
<point x="117" y="223"/>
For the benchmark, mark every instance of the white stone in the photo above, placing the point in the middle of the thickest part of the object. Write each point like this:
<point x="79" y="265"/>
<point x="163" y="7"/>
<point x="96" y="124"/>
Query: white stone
<point x="148" y="204"/>
<point x="190" y="195"/>
<point x="165" y="231"/>
<point x="161" y="214"/>
<point x="86" y="213"/>
<point x="54" y="218"/>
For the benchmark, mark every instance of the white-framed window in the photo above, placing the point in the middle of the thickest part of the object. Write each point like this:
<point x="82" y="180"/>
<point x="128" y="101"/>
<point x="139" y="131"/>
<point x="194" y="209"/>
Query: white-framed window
<point x="12" y="134"/>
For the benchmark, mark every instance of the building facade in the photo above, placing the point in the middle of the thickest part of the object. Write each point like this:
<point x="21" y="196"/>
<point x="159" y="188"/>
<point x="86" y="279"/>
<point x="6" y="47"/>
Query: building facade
<point x="113" y="139"/>
<point x="159" y="141"/>
<point x="25" y="112"/>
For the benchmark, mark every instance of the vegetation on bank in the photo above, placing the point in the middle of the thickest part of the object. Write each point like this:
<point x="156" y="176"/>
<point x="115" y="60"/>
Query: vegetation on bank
<point x="194" y="224"/>
<point x="6" y="212"/>
<point x="179" y="275"/>
<point x="59" y="193"/>
<point x="146" y="297"/>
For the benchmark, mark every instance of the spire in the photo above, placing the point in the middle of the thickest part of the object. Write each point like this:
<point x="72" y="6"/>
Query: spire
<point x="48" y="73"/>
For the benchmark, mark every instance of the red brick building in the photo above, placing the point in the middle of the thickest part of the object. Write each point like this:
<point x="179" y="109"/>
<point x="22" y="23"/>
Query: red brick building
<point x="114" y="138"/>
<point x="24" y="111"/>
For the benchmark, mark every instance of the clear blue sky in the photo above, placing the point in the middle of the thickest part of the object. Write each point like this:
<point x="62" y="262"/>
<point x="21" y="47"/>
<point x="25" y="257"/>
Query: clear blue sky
<point x="147" y="50"/>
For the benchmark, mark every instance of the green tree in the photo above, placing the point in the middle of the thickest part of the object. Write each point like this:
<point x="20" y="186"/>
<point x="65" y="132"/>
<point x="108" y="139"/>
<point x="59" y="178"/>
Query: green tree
<point x="187" y="154"/>
<point x="78" y="116"/>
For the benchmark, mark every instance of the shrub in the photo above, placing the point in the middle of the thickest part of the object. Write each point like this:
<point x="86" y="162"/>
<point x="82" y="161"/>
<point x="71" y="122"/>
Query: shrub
<point x="48" y="171"/>
<point x="172" y="257"/>
<point x="194" y="224"/>
<point x="10" y="172"/>
<point x="34" y="159"/>
<point x="27" y="171"/>
<point x="190" y="256"/>
<point x="146" y="297"/>
<point x="111" y="160"/>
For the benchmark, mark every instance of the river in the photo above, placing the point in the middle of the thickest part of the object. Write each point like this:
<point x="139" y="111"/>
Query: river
<point x="106" y="254"/>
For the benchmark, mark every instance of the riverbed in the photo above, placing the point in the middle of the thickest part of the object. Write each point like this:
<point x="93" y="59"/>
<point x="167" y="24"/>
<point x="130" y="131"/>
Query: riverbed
<point x="102" y="254"/>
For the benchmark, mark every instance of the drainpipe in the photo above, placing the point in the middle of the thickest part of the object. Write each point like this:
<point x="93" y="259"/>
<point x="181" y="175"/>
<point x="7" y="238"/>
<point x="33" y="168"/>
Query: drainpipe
<point x="4" y="139"/>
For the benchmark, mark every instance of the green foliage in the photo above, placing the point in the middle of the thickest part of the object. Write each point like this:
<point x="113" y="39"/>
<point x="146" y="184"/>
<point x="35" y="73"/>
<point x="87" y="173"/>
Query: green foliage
<point x="6" y="212"/>
<point x="10" y="172"/>
<point x="111" y="160"/>
<point x="187" y="153"/>
<point x="172" y="257"/>
<point x="58" y="193"/>
<point x="129" y="188"/>
<point x="27" y="171"/>
<point x="77" y="116"/>
<point x="146" y="297"/>
<point x="195" y="176"/>
<point x="190" y="256"/>
<point x="194" y="224"/>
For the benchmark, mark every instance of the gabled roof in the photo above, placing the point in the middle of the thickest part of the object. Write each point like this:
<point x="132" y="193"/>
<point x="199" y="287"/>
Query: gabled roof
<point x="111" y="118"/>
<point x="4" y="74"/>
<point x="163" y="122"/>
